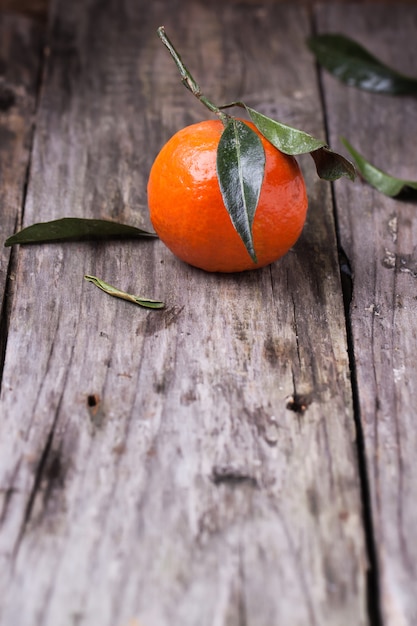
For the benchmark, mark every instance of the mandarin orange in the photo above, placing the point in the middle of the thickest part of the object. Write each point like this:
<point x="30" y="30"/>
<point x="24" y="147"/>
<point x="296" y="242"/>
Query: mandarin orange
<point x="188" y="213"/>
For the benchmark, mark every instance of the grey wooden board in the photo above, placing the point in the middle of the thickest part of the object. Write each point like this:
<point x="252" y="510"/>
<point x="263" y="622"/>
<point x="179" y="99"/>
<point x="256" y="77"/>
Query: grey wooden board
<point x="379" y="236"/>
<point x="20" y="50"/>
<point x="150" y="470"/>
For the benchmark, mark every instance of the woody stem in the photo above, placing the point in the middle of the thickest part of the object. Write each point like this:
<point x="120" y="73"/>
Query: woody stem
<point x="188" y="79"/>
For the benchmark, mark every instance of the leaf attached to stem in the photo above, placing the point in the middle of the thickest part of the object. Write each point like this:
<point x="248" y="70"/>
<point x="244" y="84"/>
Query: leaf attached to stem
<point x="240" y="169"/>
<point x="329" y="164"/>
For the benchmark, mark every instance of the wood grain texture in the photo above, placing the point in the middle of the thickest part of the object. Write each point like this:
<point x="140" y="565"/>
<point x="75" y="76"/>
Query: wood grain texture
<point x="20" y="52"/>
<point x="37" y="9"/>
<point x="151" y="469"/>
<point x="379" y="236"/>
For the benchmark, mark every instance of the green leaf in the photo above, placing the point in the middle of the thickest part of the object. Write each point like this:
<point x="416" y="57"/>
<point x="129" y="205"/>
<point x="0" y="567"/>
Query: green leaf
<point x="329" y="164"/>
<point x="383" y="182"/>
<point x="355" y="66"/>
<point x="74" y="228"/>
<point x="112" y="291"/>
<point x="240" y="169"/>
<point x="287" y="139"/>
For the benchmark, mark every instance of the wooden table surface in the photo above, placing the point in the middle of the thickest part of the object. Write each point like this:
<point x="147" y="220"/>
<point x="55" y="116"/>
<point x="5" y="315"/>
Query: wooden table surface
<point x="154" y="468"/>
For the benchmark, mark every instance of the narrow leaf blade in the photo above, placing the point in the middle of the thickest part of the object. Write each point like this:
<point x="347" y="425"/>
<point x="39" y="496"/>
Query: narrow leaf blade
<point x="75" y="229"/>
<point x="380" y="180"/>
<point x="240" y="170"/>
<point x="117" y="293"/>
<point x="286" y="138"/>
<point x="355" y="66"/>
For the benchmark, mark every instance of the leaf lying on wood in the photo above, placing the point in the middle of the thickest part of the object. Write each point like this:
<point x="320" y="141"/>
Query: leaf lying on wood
<point x="75" y="229"/>
<point x="355" y="66"/>
<point x="117" y="293"/>
<point x="383" y="182"/>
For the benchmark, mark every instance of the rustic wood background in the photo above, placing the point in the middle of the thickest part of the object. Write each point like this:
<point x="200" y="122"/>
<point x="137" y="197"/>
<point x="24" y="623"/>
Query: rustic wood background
<point x="39" y="8"/>
<point x="155" y="466"/>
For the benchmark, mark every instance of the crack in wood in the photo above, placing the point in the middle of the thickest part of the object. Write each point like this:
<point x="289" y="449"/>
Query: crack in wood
<point x="306" y="591"/>
<point x="230" y="475"/>
<point x="7" y="496"/>
<point x="372" y="576"/>
<point x="35" y="488"/>
<point x="49" y="466"/>
<point x="346" y="278"/>
<point x="297" y="342"/>
<point x="242" y="611"/>
<point x="4" y="322"/>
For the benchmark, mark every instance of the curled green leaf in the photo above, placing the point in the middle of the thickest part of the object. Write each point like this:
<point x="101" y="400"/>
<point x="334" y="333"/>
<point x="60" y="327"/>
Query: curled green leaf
<point x="240" y="169"/>
<point x="331" y="165"/>
<point x="383" y="182"/>
<point x="117" y="293"/>
<point x="75" y="229"/>
<point x="355" y="66"/>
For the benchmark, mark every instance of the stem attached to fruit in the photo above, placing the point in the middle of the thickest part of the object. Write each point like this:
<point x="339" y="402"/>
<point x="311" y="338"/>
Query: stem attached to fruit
<point x="188" y="79"/>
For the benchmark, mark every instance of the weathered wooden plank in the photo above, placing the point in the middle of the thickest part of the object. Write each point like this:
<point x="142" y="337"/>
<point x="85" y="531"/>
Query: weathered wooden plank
<point x="20" y="42"/>
<point x="153" y="470"/>
<point x="379" y="237"/>
<point x="32" y="8"/>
